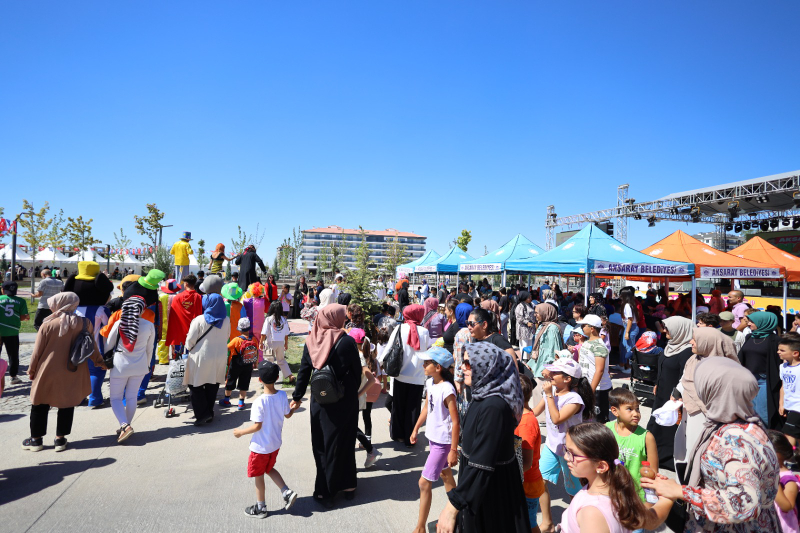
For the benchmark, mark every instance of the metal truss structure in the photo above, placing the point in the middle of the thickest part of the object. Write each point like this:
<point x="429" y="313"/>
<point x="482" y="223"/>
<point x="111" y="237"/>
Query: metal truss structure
<point x="770" y="198"/>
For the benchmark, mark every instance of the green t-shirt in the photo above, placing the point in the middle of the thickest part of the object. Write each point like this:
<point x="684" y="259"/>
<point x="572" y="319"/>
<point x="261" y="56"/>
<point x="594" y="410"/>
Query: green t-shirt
<point x="632" y="451"/>
<point x="11" y="309"/>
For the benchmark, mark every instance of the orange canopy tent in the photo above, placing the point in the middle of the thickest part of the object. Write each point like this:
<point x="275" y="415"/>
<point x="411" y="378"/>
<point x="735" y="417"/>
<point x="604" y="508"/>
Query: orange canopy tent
<point x="760" y="250"/>
<point x="711" y="263"/>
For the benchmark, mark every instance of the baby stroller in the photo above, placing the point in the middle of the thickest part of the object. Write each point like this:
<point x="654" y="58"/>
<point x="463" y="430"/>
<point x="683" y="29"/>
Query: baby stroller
<point x="174" y="390"/>
<point x="644" y="367"/>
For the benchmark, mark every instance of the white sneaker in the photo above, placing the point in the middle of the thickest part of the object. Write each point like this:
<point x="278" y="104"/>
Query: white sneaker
<point x="372" y="458"/>
<point x="289" y="497"/>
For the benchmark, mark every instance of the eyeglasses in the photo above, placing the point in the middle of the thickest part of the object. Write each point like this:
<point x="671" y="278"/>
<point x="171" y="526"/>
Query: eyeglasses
<point x="570" y="457"/>
<point x="472" y="324"/>
<point x="466" y="365"/>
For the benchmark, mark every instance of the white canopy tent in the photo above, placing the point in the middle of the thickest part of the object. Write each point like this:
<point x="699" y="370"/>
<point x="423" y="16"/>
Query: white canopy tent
<point x="21" y="256"/>
<point x="85" y="255"/>
<point x="51" y="256"/>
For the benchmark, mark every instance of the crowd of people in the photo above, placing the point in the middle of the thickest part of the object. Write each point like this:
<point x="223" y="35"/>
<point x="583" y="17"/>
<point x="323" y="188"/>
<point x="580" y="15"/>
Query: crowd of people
<point x="471" y="365"/>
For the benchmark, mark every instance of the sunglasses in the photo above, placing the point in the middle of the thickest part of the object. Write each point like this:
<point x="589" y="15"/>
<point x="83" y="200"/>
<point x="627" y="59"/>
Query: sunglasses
<point x="472" y="324"/>
<point x="465" y="363"/>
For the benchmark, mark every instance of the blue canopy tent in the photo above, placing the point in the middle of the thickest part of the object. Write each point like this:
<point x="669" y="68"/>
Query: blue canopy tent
<point x="592" y="251"/>
<point x="447" y="264"/>
<point x="519" y="248"/>
<point x="408" y="268"/>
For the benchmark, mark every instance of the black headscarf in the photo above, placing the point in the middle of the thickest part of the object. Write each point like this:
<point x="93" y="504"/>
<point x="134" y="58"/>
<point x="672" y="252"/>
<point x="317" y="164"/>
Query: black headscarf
<point x="343" y="298"/>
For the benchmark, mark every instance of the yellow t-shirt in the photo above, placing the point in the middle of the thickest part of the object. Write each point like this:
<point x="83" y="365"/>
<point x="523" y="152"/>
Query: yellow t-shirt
<point x="181" y="251"/>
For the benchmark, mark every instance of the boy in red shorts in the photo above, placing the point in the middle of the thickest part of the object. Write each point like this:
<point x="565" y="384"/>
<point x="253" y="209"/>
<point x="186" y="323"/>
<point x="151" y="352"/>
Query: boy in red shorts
<point x="267" y="414"/>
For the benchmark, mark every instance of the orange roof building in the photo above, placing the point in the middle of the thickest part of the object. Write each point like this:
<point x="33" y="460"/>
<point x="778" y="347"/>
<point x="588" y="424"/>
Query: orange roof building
<point x="760" y="250"/>
<point x="710" y="262"/>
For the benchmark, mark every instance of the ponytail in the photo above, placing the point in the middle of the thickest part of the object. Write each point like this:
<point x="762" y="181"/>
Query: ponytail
<point x="598" y="443"/>
<point x="447" y="376"/>
<point x="584" y="390"/>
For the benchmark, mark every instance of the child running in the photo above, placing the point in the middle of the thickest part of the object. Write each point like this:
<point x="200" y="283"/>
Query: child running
<point x="441" y="427"/>
<point x="636" y="444"/>
<point x="528" y="431"/>
<point x="243" y="354"/>
<point x="789" y="406"/>
<point x="609" y="497"/>
<point x="267" y="416"/>
<point x="567" y="400"/>
<point x="786" y="499"/>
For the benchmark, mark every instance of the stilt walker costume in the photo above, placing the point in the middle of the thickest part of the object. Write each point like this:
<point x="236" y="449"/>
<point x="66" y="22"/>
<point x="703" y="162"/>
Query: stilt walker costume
<point x="182" y="250"/>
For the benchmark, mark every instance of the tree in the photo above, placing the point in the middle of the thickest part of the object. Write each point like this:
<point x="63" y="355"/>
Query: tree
<point x="243" y="239"/>
<point x="35" y="227"/>
<point x="121" y="242"/>
<point x="359" y="280"/>
<point x="323" y="260"/>
<point x="276" y="269"/>
<point x="79" y="233"/>
<point x="285" y="252"/>
<point x="202" y="260"/>
<point x="150" y="225"/>
<point x="396" y="255"/>
<point x="297" y="244"/>
<point x="462" y="241"/>
<point x="58" y="232"/>
<point x="162" y="260"/>
<point x="337" y="251"/>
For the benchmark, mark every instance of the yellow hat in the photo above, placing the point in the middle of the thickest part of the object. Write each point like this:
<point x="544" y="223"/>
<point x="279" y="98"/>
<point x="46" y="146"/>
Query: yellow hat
<point x="87" y="270"/>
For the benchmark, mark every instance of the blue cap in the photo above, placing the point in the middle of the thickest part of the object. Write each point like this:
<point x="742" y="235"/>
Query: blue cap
<point x="438" y="355"/>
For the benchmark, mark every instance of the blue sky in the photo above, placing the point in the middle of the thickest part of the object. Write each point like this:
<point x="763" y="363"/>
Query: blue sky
<point x="428" y="117"/>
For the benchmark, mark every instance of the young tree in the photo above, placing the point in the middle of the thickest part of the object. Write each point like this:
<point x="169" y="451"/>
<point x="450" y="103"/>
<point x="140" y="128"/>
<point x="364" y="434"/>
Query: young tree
<point x="162" y="260"/>
<point x="243" y="239"/>
<point x="337" y="253"/>
<point x="297" y="244"/>
<point x="57" y="234"/>
<point x="35" y="227"/>
<point x="396" y="255"/>
<point x="202" y="259"/>
<point x="323" y="260"/>
<point x="121" y="242"/>
<point x="462" y="241"/>
<point x="79" y="233"/>
<point x="276" y="268"/>
<point x="149" y="225"/>
<point x="284" y="257"/>
<point x="359" y="280"/>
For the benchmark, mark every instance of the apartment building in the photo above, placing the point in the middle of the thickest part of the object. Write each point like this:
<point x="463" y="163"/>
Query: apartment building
<point x="377" y="240"/>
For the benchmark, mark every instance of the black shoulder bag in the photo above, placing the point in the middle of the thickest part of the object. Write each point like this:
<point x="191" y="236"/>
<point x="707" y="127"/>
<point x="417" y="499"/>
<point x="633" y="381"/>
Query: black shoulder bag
<point x="326" y="388"/>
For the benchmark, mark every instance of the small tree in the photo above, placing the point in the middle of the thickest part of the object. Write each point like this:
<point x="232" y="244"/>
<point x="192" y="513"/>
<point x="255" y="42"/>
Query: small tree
<point x="276" y="268"/>
<point x="359" y="280"/>
<point x="162" y="260"/>
<point x="243" y="239"/>
<point x="462" y="241"/>
<point x="337" y="251"/>
<point x="297" y="245"/>
<point x="36" y="227"/>
<point x="149" y="225"/>
<point x="121" y="242"/>
<point x="57" y="234"/>
<point x="79" y="233"/>
<point x="396" y="255"/>
<point x="202" y="259"/>
<point x="323" y="260"/>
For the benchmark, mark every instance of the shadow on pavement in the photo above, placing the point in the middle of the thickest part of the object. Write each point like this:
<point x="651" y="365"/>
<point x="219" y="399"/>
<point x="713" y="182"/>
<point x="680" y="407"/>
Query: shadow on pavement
<point x="18" y="483"/>
<point x="8" y="417"/>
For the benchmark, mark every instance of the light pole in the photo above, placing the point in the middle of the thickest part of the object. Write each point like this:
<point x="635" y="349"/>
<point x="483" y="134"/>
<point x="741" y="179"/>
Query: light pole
<point x="160" y="228"/>
<point x="108" y="259"/>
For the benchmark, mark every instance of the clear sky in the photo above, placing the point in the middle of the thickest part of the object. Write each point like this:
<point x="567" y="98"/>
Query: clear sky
<point x="428" y="117"/>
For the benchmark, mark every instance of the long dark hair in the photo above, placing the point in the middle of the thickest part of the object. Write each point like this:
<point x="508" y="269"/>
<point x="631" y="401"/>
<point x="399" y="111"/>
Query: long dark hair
<point x="276" y="312"/>
<point x="485" y="316"/>
<point x="628" y="297"/>
<point x="584" y="390"/>
<point x="597" y="443"/>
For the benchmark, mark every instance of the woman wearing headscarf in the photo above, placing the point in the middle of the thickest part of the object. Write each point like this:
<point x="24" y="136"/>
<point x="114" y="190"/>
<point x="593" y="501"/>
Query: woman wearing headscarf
<point x="705" y="343"/>
<point x="247" y="267"/>
<point x="217" y="259"/>
<point x="678" y="331"/>
<point x="300" y="289"/>
<point x="489" y="496"/>
<point x="344" y="298"/>
<point x="433" y="320"/>
<point x="526" y="322"/>
<point x="548" y="339"/>
<point x="133" y="339"/>
<point x="596" y="304"/>
<point x="325" y="298"/>
<point x="733" y="472"/>
<point x="759" y="354"/>
<point x="333" y="426"/>
<point x="402" y="296"/>
<point x="53" y="384"/>
<point x="207" y="346"/>
<point x="407" y="386"/>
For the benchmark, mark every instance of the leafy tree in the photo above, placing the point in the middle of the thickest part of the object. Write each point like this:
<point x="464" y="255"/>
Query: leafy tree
<point x="323" y="259"/>
<point x="396" y="255"/>
<point x="79" y="233"/>
<point x="162" y="260"/>
<point x="359" y="280"/>
<point x="243" y="239"/>
<point x="36" y="227"/>
<point x="337" y="252"/>
<point x="276" y="269"/>
<point x="57" y="234"/>
<point x="462" y="241"/>
<point x="202" y="259"/>
<point x="149" y="225"/>
<point x="121" y="242"/>
<point x="297" y="244"/>
<point x="284" y="257"/>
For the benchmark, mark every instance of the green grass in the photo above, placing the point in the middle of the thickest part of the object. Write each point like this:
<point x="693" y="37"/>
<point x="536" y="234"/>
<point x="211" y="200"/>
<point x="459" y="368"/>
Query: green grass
<point x="27" y="325"/>
<point x="293" y="356"/>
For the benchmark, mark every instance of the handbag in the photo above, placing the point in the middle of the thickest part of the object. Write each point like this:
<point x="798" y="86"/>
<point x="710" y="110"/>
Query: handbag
<point x="326" y="388"/>
<point x="82" y="348"/>
<point x="392" y="359"/>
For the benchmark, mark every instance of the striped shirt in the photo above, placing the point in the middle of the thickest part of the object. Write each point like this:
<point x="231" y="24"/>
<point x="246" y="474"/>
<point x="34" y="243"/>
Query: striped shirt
<point x="48" y="287"/>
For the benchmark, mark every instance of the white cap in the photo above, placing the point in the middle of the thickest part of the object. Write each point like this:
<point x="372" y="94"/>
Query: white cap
<point x="592" y="320"/>
<point x="244" y="323"/>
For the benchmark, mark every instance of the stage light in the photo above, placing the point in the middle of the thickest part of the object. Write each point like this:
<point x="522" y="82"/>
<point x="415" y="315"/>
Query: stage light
<point x="738" y="227"/>
<point x="733" y="209"/>
<point x="786" y="222"/>
<point x="673" y="211"/>
<point x="637" y="216"/>
<point x="796" y="223"/>
<point x="728" y="227"/>
<point x="746" y="226"/>
<point x="651" y="222"/>
<point x="695" y="214"/>
<point x="773" y="223"/>
<point x="796" y="198"/>
<point x="764" y="225"/>
<point x="762" y="199"/>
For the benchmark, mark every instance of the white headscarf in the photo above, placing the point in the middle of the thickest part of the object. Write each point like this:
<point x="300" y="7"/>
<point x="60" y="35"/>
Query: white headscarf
<point x="680" y="334"/>
<point x="325" y="298"/>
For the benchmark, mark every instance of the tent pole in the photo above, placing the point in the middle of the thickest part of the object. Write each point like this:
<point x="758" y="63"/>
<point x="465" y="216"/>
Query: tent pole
<point x="785" y="296"/>
<point x="694" y="299"/>
<point x="503" y="282"/>
<point x="529" y="283"/>
<point x="586" y="291"/>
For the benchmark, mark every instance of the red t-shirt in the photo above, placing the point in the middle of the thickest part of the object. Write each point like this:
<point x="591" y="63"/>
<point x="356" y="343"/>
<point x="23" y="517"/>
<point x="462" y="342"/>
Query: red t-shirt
<point x="184" y="308"/>
<point x="528" y="430"/>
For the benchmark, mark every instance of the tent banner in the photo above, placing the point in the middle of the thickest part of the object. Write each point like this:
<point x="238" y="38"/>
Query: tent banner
<point x="482" y="267"/>
<point x="739" y="272"/>
<point x="426" y="268"/>
<point x="633" y="269"/>
<point x="405" y="270"/>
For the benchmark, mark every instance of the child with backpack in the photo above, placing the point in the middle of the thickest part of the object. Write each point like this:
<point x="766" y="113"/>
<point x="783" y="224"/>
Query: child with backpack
<point x="267" y="416"/>
<point x="243" y="354"/>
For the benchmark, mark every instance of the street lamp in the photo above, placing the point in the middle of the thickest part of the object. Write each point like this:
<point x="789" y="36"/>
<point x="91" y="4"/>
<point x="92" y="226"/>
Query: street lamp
<point x="14" y="245"/>
<point x="108" y="259"/>
<point x="160" y="227"/>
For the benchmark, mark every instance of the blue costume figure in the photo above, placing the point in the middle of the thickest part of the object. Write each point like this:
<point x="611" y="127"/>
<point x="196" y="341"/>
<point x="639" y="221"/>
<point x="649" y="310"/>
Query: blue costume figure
<point x="93" y="290"/>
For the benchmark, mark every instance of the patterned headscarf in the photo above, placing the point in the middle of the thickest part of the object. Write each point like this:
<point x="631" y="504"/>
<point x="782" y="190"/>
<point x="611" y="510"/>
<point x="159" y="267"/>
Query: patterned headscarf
<point x="494" y="373"/>
<point x="549" y="316"/>
<point x="413" y="315"/>
<point x="132" y="309"/>
<point x="765" y="322"/>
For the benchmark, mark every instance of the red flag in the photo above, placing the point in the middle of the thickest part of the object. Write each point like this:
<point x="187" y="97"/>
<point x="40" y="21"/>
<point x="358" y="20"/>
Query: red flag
<point x="3" y="226"/>
<point x="41" y="248"/>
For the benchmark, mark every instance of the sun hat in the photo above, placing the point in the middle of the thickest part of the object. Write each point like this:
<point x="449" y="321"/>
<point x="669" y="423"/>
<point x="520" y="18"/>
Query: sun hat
<point x="171" y="286"/>
<point x="152" y="279"/>
<point x="727" y="316"/>
<point x="87" y="270"/>
<point x="244" y="324"/>
<point x="231" y="291"/>
<point x="187" y="235"/>
<point x="592" y="320"/>
<point x="438" y="355"/>
<point x="566" y="366"/>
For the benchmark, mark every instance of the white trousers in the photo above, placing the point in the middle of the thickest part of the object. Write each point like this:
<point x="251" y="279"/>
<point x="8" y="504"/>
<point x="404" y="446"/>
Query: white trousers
<point x="129" y="387"/>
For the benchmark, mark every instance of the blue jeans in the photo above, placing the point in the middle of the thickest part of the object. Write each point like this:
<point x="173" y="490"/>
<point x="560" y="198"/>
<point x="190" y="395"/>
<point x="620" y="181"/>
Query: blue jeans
<point x="626" y="346"/>
<point x="96" y="376"/>
<point x="760" y="402"/>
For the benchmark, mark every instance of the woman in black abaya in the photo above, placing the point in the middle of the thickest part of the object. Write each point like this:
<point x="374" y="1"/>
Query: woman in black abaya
<point x="247" y="267"/>
<point x="334" y="425"/>
<point x="300" y="289"/>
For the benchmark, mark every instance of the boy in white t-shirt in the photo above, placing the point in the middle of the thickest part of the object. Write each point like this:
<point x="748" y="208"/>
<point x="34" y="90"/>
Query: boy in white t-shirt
<point x="789" y="406"/>
<point x="267" y="414"/>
